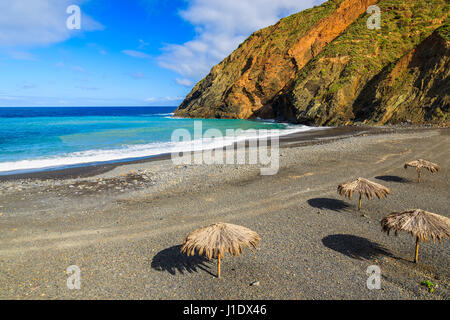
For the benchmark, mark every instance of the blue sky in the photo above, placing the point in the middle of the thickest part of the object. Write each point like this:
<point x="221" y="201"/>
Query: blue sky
<point x="127" y="52"/>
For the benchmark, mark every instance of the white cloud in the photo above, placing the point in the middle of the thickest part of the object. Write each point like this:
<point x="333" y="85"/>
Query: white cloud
<point x="22" y="55"/>
<point x="28" y="85"/>
<point x="38" y="22"/>
<point x="2" y="97"/>
<point x="142" y="44"/>
<point x="221" y="26"/>
<point x="184" y="82"/>
<point x="136" y="54"/>
<point x="87" y="88"/>
<point x="164" y="100"/>
<point x="79" y="101"/>
<point x="173" y="98"/>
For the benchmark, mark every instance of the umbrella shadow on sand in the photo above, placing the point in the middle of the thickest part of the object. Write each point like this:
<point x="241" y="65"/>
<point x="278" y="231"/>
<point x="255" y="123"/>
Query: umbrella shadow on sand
<point x="328" y="203"/>
<point x="392" y="179"/>
<point x="355" y="247"/>
<point x="172" y="260"/>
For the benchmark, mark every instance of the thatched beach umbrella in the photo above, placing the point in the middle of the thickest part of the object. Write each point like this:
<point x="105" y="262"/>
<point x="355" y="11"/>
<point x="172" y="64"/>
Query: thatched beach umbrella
<point x="420" y="163"/>
<point x="219" y="238"/>
<point x="363" y="187"/>
<point x="421" y="224"/>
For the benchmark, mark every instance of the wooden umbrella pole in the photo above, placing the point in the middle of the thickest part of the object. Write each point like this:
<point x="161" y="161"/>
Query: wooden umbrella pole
<point x="418" y="176"/>
<point x="416" y="257"/>
<point x="218" y="266"/>
<point x="359" y="205"/>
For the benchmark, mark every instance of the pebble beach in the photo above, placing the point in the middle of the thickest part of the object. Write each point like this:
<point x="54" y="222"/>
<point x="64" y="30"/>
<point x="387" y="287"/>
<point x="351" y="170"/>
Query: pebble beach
<point x="123" y="224"/>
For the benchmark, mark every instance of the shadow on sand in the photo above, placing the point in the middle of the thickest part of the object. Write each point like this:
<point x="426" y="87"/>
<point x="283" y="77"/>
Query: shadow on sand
<point x="328" y="203"/>
<point x="355" y="247"/>
<point x="392" y="179"/>
<point x="172" y="260"/>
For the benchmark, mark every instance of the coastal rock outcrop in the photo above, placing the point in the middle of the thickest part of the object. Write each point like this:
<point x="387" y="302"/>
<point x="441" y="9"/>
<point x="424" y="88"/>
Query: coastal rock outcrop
<point x="414" y="89"/>
<point x="323" y="66"/>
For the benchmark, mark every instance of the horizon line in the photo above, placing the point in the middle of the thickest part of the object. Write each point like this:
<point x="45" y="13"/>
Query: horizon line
<point x="88" y="106"/>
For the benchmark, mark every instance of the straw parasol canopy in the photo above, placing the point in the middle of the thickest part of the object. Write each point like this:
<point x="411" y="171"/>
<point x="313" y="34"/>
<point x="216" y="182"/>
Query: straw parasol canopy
<point x="419" y="164"/>
<point x="421" y="224"/>
<point x="219" y="238"/>
<point x="363" y="187"/>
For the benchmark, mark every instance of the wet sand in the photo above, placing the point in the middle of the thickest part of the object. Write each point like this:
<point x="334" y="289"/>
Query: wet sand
<point x="123" y="224"/>
<point x="302" y="138"/>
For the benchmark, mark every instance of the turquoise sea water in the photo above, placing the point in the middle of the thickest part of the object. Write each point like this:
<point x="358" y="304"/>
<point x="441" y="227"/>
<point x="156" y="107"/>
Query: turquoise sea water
<point x="33" y="139"/>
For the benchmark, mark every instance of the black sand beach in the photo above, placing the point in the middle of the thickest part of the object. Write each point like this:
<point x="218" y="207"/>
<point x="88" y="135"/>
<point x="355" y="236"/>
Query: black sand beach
<point x="123" y="224"/>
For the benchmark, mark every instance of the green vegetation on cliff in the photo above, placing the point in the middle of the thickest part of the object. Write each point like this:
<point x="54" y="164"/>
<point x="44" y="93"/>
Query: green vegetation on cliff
<point x="324" y="66"/>
<point x="348" y="67"/>
<point x="444" y="31"/>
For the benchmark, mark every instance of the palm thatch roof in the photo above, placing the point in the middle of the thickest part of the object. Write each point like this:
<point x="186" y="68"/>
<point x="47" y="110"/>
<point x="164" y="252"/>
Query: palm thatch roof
<point x="217" y="239"/>
<point x="420" y="163"/>
<point x="363" y="187"/>
<point x="421" y="224"/>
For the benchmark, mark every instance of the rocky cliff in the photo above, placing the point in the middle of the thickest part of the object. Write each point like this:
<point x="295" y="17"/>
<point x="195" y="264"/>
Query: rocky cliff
<point x="323" y="66"/>
<point x="415" y="88"/>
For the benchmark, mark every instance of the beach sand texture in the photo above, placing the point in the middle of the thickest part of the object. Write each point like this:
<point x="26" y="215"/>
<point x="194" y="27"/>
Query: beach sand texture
<point x="123" y="225"/>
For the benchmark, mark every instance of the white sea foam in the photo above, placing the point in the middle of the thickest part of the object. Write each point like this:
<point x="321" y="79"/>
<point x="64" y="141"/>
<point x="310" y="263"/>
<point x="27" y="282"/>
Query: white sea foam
<point x="162" y="114"/>
<point x="134" y="152"/>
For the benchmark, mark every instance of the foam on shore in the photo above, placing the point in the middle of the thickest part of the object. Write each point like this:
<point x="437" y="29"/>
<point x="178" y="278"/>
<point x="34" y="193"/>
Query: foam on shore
<point x="135" y="152"/>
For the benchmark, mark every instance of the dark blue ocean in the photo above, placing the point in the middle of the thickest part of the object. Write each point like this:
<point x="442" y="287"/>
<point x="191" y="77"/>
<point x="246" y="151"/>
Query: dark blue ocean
<point x="33" y="139"/>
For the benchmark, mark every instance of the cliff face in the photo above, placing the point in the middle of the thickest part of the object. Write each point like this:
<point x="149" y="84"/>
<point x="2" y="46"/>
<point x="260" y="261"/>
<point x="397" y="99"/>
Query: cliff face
<point x="324" y="66"/>
<point x="416" y="88"/>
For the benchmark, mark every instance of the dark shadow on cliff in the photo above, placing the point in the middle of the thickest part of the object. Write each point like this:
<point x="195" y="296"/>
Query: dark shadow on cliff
<point x="366" y="103"/>
<point x="392" y="179"/>
<point x="328" y="203"/>
<point x="355" y="247"/>
<point x="172" y="260"/>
